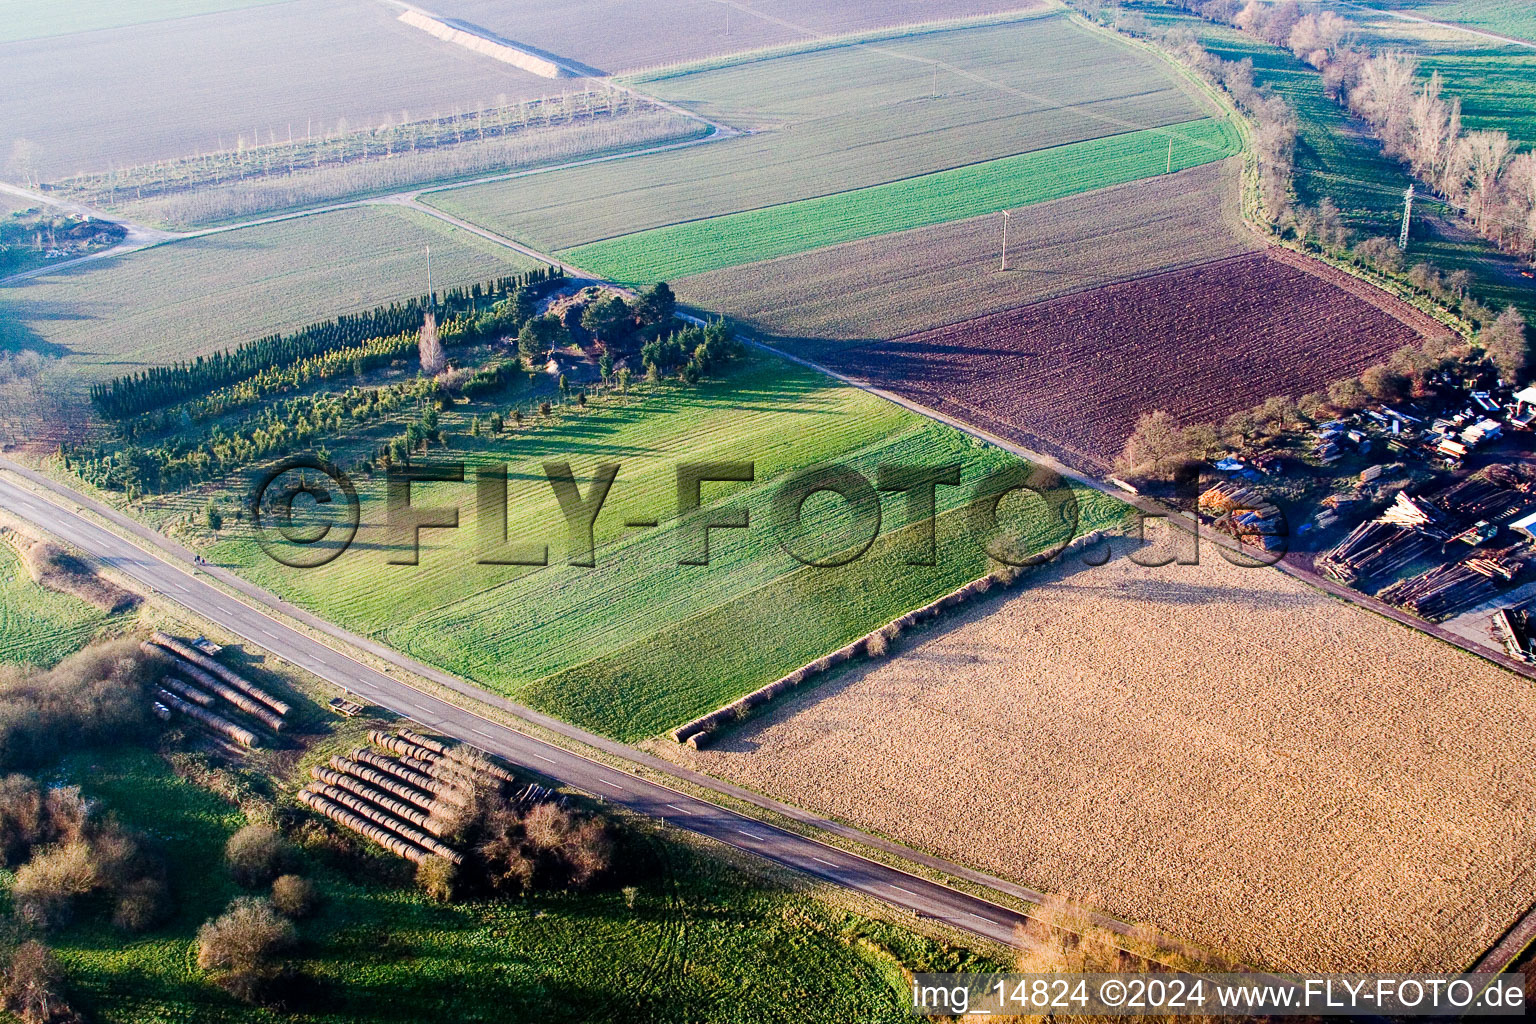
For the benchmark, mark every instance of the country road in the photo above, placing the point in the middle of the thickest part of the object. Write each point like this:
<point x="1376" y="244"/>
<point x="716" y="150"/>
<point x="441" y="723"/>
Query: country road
<point x="183" y="585"/>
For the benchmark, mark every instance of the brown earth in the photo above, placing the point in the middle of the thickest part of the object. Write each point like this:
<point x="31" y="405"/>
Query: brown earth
<point x="1071" y="376"/>
<point x="917" y="280"/>
<point x="1225" y="753"/>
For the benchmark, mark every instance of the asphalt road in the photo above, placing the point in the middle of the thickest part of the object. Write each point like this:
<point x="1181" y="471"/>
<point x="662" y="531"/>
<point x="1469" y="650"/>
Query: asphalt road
<point x="820" y="861"/>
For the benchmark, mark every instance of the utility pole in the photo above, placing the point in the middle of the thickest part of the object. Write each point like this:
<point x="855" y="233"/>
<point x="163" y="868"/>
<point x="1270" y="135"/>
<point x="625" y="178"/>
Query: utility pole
<point x="1005" y="239"/>
<point x="1170" y="156"/>
<point x="1402" y="238"/>
<point x="431" y="302"/>
<point x="935" y="93"/>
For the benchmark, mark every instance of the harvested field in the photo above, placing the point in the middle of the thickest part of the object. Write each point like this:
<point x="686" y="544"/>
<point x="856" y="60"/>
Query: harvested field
<point x="35" y="19"/>
<point x="645" y="33"/>
<point x="1072" y="375"/>
<point x="140" y="93"/>
<point x="188" y="298"/>
<point x="1302" y="784"/>
<point x="846" y="117"/>
<point x="928" y="277"/>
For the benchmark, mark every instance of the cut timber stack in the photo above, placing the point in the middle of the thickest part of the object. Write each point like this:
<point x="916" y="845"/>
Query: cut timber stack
<point x="418" y="815"/>
<point x="385" y="838"/>
<point x="1227" y="497"/>
<point x="207" y="664"/>
<point x="261" y="712"/>
<point x="223" y="726"/>
<point x="1445" y="589"/>
<point x="406" y="802"/>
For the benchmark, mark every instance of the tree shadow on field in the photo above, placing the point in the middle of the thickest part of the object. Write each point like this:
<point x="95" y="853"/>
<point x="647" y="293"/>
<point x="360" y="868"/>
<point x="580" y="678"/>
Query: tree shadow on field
<point x="17" y="334"/>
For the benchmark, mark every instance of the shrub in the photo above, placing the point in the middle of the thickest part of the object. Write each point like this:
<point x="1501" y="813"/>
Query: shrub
<point x="32" y="987"/>
<point x="294" y="896"/>
<point x="877" y="646"/>
<point x="47" y="886"/>
<point x="245" y="946"/>
<point x="141" y="904"/>
<point x="95" y="696"/>
<point x="257" y="854"/>
<point x="437" y="877"/>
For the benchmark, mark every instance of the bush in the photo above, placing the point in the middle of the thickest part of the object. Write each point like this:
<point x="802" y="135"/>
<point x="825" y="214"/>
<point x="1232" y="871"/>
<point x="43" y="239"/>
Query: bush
<point x="294" y="896"/>
<point x="98" y="695"/>
<point x="437" y="877"/>
<point x="32" y="987"/>
<point x="47" y="886"/>
<point x="245" y="947"/>
<point x="141" y="904"/>
<point x="257" y="854"/>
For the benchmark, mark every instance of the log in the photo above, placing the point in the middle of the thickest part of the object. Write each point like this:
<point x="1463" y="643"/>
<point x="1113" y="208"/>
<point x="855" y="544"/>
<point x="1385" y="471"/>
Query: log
<point x="339" y="814"/>
<point x="222" y="726"/>
<point x="402" y="746"/>
<point x="184" y="689"/>
<point x="208" y="664"/>
<point x="384" y="781"/>
<point x="402" y="809"/>
<point x="229" y="693"/>
<point x="411" y="736"/>
<point x="357" y="805"/>
<point x="440" y="788"/>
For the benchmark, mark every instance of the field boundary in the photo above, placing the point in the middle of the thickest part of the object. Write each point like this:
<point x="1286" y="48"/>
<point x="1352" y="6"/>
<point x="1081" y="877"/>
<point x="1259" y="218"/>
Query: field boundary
<point x="697" y="732"/>
<point x="819" y="42"/>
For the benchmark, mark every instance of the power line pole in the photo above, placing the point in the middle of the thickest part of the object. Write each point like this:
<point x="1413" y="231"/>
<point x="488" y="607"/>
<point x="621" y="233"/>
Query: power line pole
<point x="431" y="302"/>
<point x="1402" y="238"/>
<point x="1005" y="239"/>
<point x="1170" y="156"/>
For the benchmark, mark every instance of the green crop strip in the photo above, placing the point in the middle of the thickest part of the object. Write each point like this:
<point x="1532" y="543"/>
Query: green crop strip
<point x="679" y="250"/>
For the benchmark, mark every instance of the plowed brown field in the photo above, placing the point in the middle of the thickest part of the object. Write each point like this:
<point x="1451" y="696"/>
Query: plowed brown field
<point x="1071" y="376"/>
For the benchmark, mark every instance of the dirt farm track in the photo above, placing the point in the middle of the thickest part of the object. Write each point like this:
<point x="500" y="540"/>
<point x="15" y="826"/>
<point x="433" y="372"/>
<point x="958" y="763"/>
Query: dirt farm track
<point x="1307" y="787"/>
<point x="1070" y="376"/>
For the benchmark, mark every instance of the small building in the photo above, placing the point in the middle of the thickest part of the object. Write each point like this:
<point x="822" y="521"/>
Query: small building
<point x="1525" y="406"/>
<point x="1525" y="526"/>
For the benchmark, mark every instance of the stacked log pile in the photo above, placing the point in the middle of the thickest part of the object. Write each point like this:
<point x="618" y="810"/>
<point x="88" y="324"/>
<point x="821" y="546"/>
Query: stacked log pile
<point x="198" y="681"/>
<point x="1445" y="589"/>
<point x="407" y="802"/>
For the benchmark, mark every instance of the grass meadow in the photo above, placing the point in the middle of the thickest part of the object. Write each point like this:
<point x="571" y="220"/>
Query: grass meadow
<point x="845" y="117"/>
<point x="698" y="246"/>
<point x="41" y="627"/>
<point x="640" y="642"/>
<point x="1516" y="18"/>
<point x="1336" y="158"/>
<point x="189" y="298"/>
<point x="656" y="950"/>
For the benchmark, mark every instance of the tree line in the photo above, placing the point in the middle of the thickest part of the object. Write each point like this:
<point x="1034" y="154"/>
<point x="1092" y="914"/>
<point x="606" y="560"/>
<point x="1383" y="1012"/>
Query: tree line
<point x="1479" y="172"/>
<point x="158" y="386"/>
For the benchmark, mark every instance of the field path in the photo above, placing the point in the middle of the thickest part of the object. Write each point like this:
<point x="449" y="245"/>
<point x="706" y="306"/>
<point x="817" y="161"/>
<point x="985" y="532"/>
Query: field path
<point x="1466" y="29"/>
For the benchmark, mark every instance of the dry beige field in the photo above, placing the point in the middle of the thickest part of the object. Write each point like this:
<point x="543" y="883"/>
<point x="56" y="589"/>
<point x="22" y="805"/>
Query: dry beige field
<point x="1225" y="753"/>
<point x="917" y="280"/>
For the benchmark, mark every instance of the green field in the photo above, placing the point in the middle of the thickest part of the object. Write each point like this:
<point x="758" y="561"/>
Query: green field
<point x="916" y="280"/>
<point x="846" y="117"/>
<point x="698" y="246"/>
<point x="384" y="953"/>
<point x="640" y="643"/>
<point x="189" y="298"/>
<point x="36" y="19"/>
<point x="37" y="626"/>
<point x="1516" y="18"/>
